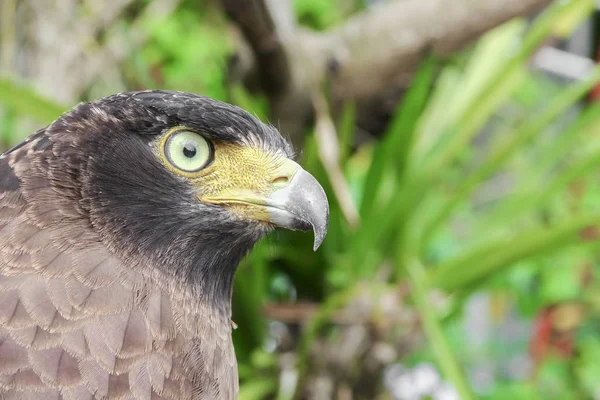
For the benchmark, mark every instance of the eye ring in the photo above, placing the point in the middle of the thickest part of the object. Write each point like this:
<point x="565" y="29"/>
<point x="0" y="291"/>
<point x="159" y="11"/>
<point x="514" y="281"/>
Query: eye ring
<point x="187" y="151"/>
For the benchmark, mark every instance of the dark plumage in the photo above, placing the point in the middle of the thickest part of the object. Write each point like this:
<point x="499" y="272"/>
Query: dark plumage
<point x="116" y="263"/>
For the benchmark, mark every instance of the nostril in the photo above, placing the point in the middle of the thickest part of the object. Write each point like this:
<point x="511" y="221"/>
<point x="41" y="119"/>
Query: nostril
<point x="281" y="181"/>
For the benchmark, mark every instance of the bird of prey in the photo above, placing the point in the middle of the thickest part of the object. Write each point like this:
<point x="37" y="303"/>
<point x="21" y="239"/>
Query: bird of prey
<point x="121" y="227"/>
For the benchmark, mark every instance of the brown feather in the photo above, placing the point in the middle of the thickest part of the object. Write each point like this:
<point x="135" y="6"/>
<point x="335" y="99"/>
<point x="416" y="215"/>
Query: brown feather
<point x="35" y="337"/>
<point x="96" y="268"/>
<point x="12" y="355"/>
<point x="156" y="375"/>
<point x="49" y="394"/>
<point x="159" y="316"/>
<point x="139" y="382"/>
<point x="58" y="296"/>
<point x="79" y="392"/>
<point x="13" y="314"/>
<point x="10" y="282"/>
<point x="24" y="379"/>
<point x="38" y="305"/>
<point x="55" y="366"/>
<point x="79" y="320"/>
<point x="52" y="261"/>
<point x="76" y="344"/>
<point x="126" y="334"/>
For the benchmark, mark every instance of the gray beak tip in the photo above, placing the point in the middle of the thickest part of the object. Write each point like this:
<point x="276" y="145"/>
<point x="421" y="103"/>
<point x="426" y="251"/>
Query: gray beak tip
<point x="302" y="205"/>
<point x="319" y="217"/>
<point x="317" y="243"/>
<point x="320" y="232"/>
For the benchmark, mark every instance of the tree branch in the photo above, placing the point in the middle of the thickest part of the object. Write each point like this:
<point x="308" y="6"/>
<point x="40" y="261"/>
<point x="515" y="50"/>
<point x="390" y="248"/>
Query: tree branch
<point x="254" y="19"/>
<point x="384" y="45"/>
<point x="374" y="52"/>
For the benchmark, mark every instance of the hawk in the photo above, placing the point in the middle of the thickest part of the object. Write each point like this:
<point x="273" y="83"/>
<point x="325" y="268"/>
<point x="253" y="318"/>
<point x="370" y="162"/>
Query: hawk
<point x="121" y="227"/>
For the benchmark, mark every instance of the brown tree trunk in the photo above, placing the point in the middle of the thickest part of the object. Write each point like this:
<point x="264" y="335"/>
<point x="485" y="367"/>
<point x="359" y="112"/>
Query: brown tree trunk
<point x="372" y="55"/>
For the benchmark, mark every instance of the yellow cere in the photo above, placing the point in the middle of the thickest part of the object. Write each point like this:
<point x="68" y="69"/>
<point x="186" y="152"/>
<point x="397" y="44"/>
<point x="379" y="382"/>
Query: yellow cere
<point x="239" y="176"/>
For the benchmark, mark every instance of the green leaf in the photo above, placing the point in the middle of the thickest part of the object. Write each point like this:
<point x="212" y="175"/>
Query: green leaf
<point x="572" y="14"/>
<point x="435" y="334"/>
<point x="489" y="59"/>
<point x="500" y="84"/>
<point x="317" y="14"/>
<point x="587" y="365"/>
<point x="488" y="81"/>
<point x="257" y="389"/>
<point x="477" y="264"/>
<point x="346" y="130"/>
<point x="398" y="140"/>
<point x="559" y="282"/>
<point x="511" y="142"/>
<point x="25" y="101"/>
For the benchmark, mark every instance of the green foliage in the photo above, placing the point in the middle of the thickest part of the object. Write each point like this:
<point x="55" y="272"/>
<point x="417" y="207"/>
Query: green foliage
<point x="187" y="51"/>
<point x="322" y="14"/>
<point x="24" y="101"/>
<point x="587" y="366"/>
<point x="425" y="174"/>
<point x="318" y="14"/>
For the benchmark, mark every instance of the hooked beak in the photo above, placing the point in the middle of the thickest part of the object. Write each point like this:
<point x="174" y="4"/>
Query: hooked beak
<point x="294" y="200"/>
<point x="301" y="205"/>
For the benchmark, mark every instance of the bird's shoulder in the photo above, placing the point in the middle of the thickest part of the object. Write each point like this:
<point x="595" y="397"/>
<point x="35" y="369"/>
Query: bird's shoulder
<point x="76" y="321"/>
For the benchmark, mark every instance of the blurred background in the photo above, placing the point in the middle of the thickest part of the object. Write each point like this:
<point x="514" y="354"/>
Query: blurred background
<point x="458" y="141"/>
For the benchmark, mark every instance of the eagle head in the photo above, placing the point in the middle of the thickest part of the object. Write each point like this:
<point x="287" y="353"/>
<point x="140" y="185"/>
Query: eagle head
<point x="182" y="184"/>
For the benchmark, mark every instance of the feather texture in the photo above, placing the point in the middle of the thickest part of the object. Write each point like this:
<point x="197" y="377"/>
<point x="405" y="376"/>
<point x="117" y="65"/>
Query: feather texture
<point x="76" y="322"/>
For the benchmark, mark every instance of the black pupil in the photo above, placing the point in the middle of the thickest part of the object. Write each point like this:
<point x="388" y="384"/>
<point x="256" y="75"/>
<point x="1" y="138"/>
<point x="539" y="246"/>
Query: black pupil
<point x="189" y="150"/>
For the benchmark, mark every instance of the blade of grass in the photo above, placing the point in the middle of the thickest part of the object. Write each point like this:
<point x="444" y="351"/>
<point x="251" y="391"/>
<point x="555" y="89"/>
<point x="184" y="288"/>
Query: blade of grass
<point x="460" y="91"/>
<point x="572" y="137"/>
<point x="571" y="16"/>
<point x="399" y="137"/>
<point x="578" y="169"/>
<point x="387" y="228"/>
<point x="479" y="263"/>
<point x="380" y="219"/>
<point x="435" y="117"/>
<point x="309" y="335"/>
<point x="474" y="119"/>
<point x="533" y="192"/>
<point x="384" y="220"/>
<point x="434" y="332"/>
<point x="501" y="85"/>
<point x="509" y="143"/>
<point x="347" y="130"/>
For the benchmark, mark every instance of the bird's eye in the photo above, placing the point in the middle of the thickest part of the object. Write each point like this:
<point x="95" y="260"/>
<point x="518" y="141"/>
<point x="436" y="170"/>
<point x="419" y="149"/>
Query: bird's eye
<point x="187" y="151"/>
